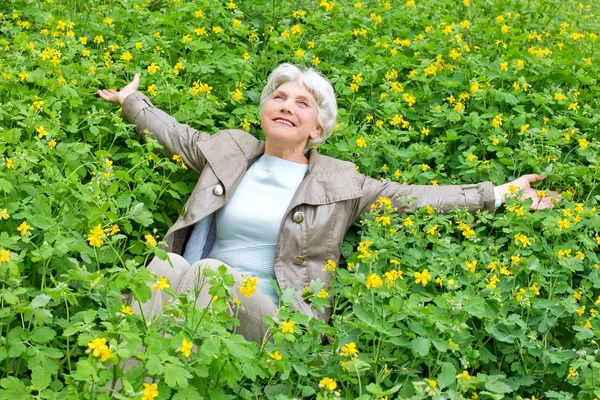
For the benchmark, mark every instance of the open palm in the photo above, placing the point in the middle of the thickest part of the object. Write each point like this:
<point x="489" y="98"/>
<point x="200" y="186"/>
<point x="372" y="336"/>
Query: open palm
<point x="524" y="183"/>
<point x="112" y="96"/>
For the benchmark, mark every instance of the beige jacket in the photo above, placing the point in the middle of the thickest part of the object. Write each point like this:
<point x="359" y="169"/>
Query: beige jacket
<point x="329" y="200"/>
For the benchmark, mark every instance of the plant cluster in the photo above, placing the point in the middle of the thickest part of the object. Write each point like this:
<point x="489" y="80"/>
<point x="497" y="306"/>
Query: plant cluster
<point x="425" y="305"/>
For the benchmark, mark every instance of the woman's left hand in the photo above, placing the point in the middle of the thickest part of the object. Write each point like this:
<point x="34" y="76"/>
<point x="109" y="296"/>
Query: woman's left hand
<point x="524" y="183"/>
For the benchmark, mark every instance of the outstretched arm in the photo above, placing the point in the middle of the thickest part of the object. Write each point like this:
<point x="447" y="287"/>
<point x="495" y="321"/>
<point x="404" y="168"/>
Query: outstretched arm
<point x="175" y="137"/>
<point x="445" y="198"/>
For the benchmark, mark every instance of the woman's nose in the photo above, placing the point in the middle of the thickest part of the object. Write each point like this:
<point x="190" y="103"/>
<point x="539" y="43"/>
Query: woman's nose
<point x="286" y="106"/>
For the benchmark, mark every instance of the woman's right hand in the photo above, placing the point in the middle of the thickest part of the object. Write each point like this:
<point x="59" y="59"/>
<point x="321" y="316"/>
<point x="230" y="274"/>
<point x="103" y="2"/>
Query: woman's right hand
<point x="113" y="96"/>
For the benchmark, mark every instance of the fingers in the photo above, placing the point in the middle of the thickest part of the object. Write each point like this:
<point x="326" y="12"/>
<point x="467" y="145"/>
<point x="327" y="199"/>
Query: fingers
<point x="533" y="177"/>
<point x="548" y="201"/>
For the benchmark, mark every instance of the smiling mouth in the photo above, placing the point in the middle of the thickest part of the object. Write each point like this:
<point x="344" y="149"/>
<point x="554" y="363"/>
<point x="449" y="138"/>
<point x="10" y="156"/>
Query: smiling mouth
<point x="284" y="121"/>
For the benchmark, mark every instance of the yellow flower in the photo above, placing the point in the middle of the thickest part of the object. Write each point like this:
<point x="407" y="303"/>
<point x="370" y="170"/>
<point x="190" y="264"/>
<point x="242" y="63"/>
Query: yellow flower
<point x="384" y="220"/>
<point x="24" y="228"/>
<point x="431" y="231"/>
<point x="583" y="144"/>
<point x="98" y="348"/>
<point x="152" y="69"/>
<point x="299" y="54"/>
<point x="374" y="281"/>
<point x="328" y="383"/>
<point x="186" y="347"/>
<point x="126" y="310"/>
<point x="408" y="222"/>
<point x="559" y="97"/>
<point x="572" y="374"/>
<point x="237" y="23"/>
<point x="522" y="239"/>
<point x="315" y="61"/>
<point x="588" y="324"/>
<point x="149" y="240"/>
<point x="4" y="255"/>
<point x="323" y="294"/>
<point x="564" y="224"/>
<point x="4" y="214"/>
<point x="237" y="95"/>
<point x="361" y="142"/>
<point x="497" y="121"/>
<point x="287" y="327"/>
<point x="161" y="284"/>
<point x="248" y="287"/>
<point x="348" y="350"/>
<point x="471" y="265"/>
<point x="150" y="391"/>
<point x="114" y="229"/>
<point x="463" y="375"/>
<point x="276" y="355"/>
<point x="330" y="266"/>
<point x="52" y="144"/>
<point x="41" y="131"/>
<point x="422" y="277"/>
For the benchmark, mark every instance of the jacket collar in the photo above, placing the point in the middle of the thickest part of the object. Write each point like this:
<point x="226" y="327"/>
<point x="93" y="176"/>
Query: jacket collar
<point x="327" y="180"/>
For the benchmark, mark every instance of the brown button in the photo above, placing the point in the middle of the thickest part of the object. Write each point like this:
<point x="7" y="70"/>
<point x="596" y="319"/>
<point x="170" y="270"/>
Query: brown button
<point x="298" y="260"/>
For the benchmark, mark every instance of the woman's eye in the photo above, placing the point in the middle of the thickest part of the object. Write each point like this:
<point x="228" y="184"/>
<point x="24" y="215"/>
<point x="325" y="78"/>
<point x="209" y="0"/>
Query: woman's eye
<point x="304" y="103"/>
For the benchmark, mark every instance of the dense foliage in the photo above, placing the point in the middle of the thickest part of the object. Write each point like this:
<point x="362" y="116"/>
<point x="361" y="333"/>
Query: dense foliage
<point x="425" y="305"/>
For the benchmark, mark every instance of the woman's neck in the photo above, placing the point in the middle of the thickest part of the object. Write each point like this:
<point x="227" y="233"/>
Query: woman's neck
<point x="285" y="153"/>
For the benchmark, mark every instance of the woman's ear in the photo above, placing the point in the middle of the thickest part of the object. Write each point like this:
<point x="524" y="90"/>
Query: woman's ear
<point x="316" y="132"/>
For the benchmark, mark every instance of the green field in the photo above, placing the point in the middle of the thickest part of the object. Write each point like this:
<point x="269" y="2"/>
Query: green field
<point x="437" y="92"/>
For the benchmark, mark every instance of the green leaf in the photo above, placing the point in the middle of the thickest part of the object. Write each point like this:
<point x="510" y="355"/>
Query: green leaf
<point x="40" y="378"/>
<point x="16" y="348"/>
<point x="40" y="301"/>
<point x="238" y="349"/>
<point x="188" y="393"/>
<point x="420" y="346"/>
<point x="494" y="385"/>
<point x="42" y="334"/>
<point x="210" y="346"/>
<point x="476" y="307"/>
<point x="14" y="389"/>
<point x="153" y="365"/>
<point x="176" y="376"/>
<point x="141" y="215"/>
<point x="5" y="185"/>
<point x="447" y="376"/>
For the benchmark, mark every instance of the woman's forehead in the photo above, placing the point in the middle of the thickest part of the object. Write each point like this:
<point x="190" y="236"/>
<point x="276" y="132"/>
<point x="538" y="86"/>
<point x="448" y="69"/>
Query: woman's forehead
<point x="295" y="89"/>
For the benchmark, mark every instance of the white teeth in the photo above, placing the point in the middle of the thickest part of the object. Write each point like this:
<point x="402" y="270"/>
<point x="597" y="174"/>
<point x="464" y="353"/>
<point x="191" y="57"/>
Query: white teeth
<point x="284" y="121"/>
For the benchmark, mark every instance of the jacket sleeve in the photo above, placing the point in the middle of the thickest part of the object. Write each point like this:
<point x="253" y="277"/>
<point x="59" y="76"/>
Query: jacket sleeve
<point x="176" y="138"/>
<point x="407" y="197"/>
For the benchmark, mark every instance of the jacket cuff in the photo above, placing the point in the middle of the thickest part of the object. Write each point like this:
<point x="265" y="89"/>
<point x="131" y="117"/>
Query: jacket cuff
<point x="479" y="196"/>
<point x="488" y="197"/>
<point x="133" y="104"/>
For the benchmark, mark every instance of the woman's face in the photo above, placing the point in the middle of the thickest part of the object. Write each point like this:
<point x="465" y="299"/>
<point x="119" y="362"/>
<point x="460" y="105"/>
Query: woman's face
<point x="289" y="117"/>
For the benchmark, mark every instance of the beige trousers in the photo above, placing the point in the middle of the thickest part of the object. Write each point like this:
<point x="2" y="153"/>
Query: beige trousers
<point x="182" y="275"/>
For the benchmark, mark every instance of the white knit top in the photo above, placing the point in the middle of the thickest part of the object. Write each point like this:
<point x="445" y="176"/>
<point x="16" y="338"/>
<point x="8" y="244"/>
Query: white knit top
<point x="248" y="225"/>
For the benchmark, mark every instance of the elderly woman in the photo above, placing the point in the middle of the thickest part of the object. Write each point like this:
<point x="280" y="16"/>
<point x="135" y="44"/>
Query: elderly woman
<point x="276" y="208"/>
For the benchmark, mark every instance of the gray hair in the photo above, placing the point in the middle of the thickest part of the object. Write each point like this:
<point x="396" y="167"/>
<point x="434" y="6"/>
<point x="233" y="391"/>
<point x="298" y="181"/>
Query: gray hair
<point x="317" y="84"/>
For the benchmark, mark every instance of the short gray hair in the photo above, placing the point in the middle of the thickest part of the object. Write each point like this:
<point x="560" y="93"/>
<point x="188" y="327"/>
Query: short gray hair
<point x="317" y="84"/>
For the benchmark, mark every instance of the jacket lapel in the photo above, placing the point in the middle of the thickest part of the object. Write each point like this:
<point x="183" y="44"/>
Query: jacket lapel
<point x="228" y="163"/>
<point x="327" y="181"/>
